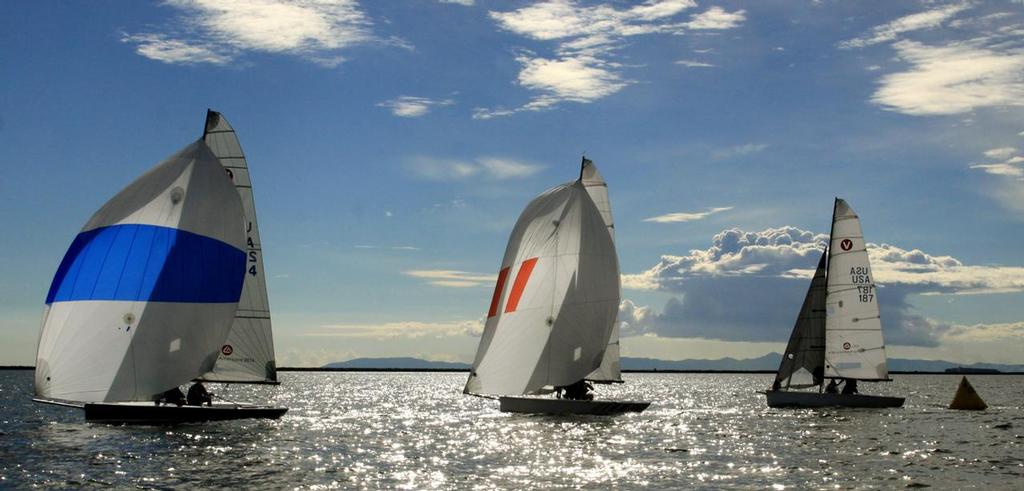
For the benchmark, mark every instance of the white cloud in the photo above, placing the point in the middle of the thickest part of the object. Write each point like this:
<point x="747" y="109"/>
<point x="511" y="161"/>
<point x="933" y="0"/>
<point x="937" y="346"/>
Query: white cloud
<point x="160" y="48"/>
<point x="586" y="38"/>
<point x="314" y="30"/>
<point x="452" y="278"/>
<point x="467" y="3"/>
<point x="686" y="216"/>
<point x="694" y="64"/>
<point x="717" y="18"/>
<point x="748" y="285"/>
<point x="413" y="107"/>
<point x="955" y="78"/>
<point x="738" y="151"/>
<point x="929" y="19"/>
<point x="1000" y="153"/>
<point x="488" y="167"/>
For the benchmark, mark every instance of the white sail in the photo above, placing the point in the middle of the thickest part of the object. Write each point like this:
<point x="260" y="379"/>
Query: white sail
<point x="144" y="297"/>
<point x="248" y="353"/>
<point x="609" y="371"/>
<point x="556" y="298"/>
<point x="803" y="362"/>
<point x="854" y="347"/>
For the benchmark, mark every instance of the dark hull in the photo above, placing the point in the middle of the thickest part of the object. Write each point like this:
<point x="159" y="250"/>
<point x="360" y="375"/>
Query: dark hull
<point x="815" y="399"/>
<point x="151" y="414"/>
<point x="540" y="405"/>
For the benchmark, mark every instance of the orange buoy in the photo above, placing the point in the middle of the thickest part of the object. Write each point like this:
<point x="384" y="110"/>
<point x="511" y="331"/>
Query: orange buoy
<point x="967" y="398"/>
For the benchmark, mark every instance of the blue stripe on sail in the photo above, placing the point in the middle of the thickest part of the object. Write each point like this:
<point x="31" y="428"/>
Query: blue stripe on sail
<point x="148" y="263"/>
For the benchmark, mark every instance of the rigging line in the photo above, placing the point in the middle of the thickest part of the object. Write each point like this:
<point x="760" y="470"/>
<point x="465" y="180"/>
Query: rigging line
<point x="482" y="396"/>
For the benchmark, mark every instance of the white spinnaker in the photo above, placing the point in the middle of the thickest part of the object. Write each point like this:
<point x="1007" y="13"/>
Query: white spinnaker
<point x="854" y="347"/>
<point x="556" y="299"/>
<point x="609" y="371"/>
<point x="99" y="349"/>
<point x="248" y="353"/>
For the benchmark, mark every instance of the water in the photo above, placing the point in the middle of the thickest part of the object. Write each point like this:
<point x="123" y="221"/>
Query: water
<point x="417" y="431"/>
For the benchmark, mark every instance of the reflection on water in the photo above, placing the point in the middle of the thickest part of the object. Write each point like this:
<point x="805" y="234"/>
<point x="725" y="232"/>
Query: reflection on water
<point x="417" y="431"/>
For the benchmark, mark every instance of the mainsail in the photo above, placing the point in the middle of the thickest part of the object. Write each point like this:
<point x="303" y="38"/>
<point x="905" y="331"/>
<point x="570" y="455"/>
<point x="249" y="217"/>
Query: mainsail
<point x="803" y="363"/>
<point x="248" y="353"/>
<point x="145" y="295"/>
<point x="854" y="347"/>
<point x="556" y="299"/>
<point x="609" y="371"/>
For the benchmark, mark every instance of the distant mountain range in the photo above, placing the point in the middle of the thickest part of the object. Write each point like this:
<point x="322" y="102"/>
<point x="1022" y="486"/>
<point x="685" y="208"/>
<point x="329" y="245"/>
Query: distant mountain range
<point x="769" y="362"/>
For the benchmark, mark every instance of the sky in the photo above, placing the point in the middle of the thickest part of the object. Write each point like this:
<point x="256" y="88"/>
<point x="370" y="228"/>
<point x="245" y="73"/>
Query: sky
<point x="394" y="144"/>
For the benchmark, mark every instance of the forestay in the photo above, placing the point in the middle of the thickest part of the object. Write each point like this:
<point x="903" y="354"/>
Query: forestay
<point x="145" y="295"/>
<point x="609" y="371"/>
<point x="248" y="353"/>
<point x="804" y="360"/>
<point x="555" y="301"/>
<point x="854" y="347"/>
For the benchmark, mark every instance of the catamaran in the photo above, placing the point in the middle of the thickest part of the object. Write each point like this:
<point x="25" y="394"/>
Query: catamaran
<point x="146" y="296"/>
<point x="838" y="333"/>
<point x="551" y="324"/>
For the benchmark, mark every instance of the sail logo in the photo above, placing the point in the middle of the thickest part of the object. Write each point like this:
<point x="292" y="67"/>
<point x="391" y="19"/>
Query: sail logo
<point x="847" y="346"/>
<point x="846" y="244"/>
<point x="518" y="286"/>
<point x="226" y="350"/>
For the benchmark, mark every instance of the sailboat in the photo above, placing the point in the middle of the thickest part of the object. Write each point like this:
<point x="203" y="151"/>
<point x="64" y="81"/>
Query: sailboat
<point x="146" y="296"/>
<point x="551" y="321"/>
<point x="838" y="333"/>
<point x="248" y="354"/>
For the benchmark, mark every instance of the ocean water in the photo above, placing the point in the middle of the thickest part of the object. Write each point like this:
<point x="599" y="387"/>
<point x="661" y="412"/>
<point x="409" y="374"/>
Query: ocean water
<point x="417" y="431"/>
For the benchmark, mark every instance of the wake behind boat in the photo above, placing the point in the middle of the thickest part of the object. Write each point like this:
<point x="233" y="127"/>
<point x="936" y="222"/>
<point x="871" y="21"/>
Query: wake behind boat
<point x="551" y="326"/>
<point x="838" y="333"/>
<point x="146" y="296"/>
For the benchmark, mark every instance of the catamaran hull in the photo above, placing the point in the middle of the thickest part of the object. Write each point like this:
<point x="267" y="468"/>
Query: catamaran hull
<point x="539" y="405"/>
<point x="151" y="414"/>
<point x="816" y="399"/>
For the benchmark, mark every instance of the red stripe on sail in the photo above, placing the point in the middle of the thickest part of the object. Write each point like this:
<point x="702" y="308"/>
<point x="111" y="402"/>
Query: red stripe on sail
<point x="520" y="284"/>
<point x="502" y="276"/>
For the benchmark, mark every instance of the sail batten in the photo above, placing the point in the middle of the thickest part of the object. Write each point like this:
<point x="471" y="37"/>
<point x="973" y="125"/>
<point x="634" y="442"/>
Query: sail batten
<point x="248" y="353"/>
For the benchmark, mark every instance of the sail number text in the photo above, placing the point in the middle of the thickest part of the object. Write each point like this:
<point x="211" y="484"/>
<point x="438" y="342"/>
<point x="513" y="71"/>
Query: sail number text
<point x="252" y="251"/>
<point x="861" y="276"/>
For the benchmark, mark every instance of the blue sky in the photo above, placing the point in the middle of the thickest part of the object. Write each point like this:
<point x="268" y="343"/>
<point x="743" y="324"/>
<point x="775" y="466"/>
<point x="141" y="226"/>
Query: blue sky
<point x="393" y="145"/>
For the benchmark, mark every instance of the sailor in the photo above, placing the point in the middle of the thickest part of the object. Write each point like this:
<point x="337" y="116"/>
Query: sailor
<point x="832" y="387"/>
<point x="579" y="391"/>
<point x="198" y="396"/>
<point x="850" y="387"/>
<point x="173" y="396"/>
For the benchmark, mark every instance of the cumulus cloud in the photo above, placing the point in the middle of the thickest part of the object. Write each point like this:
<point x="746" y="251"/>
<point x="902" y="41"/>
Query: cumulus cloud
<point x="452" y="278"/>
<point x="217" y="32"/>
<point x="954" y="78"/>
<point x="413" y="107"/>
<point x="684" y="216"/>
<point x="495" y="168"/>
<point x="748" y="286"/>
<point x="928" y="19"/>
<point x="583" y="66"/>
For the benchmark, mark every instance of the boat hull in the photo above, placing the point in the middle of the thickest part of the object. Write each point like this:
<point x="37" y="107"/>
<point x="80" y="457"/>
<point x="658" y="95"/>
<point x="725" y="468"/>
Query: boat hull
<point x="151" y="414"/>
<point x="542" y="405"/>
<point x="816" y="399"/>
